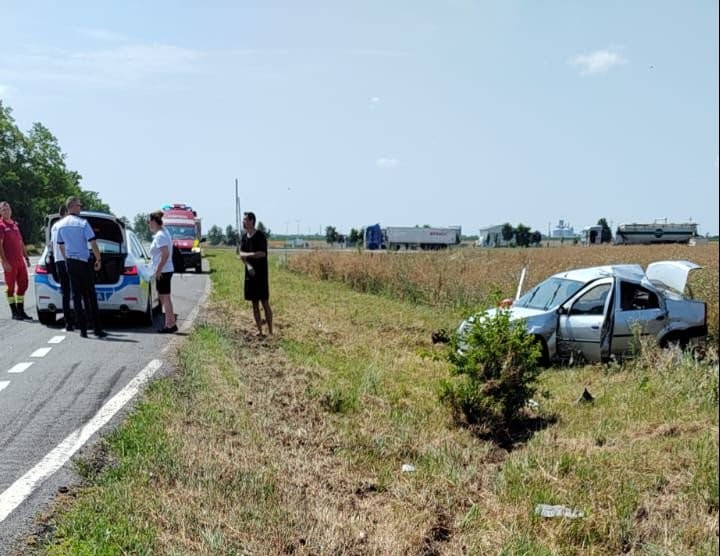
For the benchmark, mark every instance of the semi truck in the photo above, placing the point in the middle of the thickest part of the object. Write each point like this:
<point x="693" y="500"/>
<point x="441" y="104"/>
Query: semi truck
<point x="185" y="227"/>
<point x="406" y="237"/>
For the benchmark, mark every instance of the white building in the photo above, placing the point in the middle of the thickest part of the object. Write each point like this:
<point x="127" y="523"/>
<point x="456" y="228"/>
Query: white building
<point x="492" y="237"/>
<point x="563" y="230"/>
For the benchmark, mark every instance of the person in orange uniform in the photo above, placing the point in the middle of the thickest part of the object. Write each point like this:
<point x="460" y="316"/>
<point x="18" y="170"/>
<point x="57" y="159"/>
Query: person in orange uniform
<point x="15" y="261"/>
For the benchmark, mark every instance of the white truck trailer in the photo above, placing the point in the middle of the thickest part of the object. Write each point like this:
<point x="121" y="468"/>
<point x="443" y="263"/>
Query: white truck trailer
<point x="398" y="237"/>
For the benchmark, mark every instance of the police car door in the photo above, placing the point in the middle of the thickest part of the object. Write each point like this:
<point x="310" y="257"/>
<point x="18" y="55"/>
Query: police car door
<point x="585" y="322"/>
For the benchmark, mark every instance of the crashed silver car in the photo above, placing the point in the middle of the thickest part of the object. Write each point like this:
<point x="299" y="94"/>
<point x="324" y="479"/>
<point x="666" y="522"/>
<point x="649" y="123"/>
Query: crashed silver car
<point x="594" y="314"/>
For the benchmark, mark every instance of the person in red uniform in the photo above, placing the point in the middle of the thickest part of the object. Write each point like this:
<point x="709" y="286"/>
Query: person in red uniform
<point x="15" y="261"/>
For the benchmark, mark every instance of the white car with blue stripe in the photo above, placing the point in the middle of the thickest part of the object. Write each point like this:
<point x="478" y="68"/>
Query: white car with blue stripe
<point x="119" y="284"/>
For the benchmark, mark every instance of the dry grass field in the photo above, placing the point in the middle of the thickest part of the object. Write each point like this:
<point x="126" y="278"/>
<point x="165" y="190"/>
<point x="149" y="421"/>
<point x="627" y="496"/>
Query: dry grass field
<point x="473" y="278"/>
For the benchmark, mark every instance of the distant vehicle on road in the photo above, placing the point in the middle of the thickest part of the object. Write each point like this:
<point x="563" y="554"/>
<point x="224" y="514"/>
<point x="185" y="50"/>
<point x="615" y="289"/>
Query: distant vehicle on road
<point x="399" y="237"/>
<point x="186" y="230"/>
<point x="593" y="314"/>
<point x="119" y="285"/>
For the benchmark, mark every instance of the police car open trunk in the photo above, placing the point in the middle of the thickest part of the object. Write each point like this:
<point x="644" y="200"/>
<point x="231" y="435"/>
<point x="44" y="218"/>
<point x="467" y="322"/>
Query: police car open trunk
<point x="110" y="237"/>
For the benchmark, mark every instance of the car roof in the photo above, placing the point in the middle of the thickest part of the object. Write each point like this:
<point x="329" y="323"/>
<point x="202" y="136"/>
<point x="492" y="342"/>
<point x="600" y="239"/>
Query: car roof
<point x="632" y="272"/>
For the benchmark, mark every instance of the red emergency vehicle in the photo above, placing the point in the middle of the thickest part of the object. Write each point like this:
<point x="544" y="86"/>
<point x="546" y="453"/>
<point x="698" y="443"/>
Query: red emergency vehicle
<point x="185" y="228"/>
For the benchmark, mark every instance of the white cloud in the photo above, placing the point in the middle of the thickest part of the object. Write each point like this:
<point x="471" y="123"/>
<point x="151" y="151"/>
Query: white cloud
<point x="108" y="67"/>
<point x="599" y="61"/>
<point x="387" y="163"/>
<point x="101" y="34"/>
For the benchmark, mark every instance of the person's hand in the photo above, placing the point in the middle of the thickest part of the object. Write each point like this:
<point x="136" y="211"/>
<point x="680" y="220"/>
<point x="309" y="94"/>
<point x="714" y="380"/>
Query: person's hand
<point x="251" y="270"/>
<point x="158" y="275"/>
<point x="6" y="266"/>
<point x="97" y="265"/>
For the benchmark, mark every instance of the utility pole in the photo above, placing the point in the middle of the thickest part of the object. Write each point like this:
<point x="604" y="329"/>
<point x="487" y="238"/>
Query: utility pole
<point x="237" y="215"/>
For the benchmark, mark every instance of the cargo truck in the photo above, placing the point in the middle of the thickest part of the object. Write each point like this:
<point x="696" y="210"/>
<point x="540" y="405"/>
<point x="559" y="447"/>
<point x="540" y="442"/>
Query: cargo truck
<point x="399" y="237"/>
<point x="186" y="230"/>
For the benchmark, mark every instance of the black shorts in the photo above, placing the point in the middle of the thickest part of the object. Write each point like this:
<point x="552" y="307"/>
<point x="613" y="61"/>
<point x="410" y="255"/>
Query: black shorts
<point x="163" y="283"/>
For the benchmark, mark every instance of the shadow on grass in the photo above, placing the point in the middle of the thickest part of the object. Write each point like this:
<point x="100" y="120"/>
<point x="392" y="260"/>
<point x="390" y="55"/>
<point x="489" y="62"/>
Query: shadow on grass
<point x="513" y="435"/>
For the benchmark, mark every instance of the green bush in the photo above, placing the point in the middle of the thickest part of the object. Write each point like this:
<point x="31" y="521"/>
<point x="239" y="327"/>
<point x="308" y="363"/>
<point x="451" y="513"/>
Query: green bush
<point x="494" y="367"/>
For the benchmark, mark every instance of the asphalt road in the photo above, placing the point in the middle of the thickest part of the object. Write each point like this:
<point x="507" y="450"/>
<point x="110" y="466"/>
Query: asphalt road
<point x="60" y="392"/>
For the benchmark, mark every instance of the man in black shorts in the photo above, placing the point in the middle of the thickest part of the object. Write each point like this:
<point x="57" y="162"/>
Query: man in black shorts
<point x="253" y="252"/>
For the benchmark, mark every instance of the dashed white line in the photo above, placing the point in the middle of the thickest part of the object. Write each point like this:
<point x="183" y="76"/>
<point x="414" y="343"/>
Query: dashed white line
<point x="56" y="339"/>
<point x="25" y="485"/>
<point x="20" y="368"/>
<point x="41" y="352"/>
<point x="4" y="384"/>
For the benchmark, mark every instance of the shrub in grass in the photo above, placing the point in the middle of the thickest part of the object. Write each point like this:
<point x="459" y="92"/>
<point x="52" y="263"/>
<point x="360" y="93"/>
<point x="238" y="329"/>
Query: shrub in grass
<point x="494" y="366"/>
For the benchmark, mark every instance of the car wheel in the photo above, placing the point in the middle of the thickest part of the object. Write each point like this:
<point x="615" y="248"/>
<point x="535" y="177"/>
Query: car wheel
<point x="544" y="359"/>
<point x="198" y="268"/>
<point x="47" y="318"/>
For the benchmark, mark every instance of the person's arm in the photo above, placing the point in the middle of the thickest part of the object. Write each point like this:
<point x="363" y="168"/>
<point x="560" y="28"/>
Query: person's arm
<point x="61" y="246"/>
<point x="25" y="253"/>
<point x="259" y="253"/>
<point x="96" y="252"/>
<point x="164" y="256"/>
<point x="5" y="264"/>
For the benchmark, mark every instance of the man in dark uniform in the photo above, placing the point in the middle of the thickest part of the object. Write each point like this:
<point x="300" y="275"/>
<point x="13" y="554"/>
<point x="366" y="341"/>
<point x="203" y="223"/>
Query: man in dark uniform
<point x="253" y="252"/>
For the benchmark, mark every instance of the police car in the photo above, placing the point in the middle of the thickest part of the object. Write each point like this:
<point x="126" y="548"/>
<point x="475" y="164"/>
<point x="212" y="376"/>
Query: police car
<point x="119" y="284"/>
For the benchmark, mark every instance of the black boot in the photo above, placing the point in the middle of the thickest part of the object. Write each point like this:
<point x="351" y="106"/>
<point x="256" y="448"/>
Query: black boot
<point x="13" y="310"/>
<point x="21" y="314"/>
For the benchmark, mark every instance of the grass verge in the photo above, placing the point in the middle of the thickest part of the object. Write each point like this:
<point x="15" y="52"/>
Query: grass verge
<point x="296" y="444"/>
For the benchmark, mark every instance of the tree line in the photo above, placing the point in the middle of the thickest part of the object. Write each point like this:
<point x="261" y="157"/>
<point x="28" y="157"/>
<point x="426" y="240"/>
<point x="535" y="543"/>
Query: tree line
<point x="34" y="178"/>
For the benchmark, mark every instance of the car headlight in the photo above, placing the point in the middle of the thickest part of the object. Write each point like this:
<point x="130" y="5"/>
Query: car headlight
<point x="195" y="249"/>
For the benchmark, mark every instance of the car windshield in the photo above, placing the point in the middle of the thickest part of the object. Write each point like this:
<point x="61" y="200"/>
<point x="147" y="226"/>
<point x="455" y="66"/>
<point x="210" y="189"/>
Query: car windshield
<point x="181" y="232"/>
<point x="549" y="294"/>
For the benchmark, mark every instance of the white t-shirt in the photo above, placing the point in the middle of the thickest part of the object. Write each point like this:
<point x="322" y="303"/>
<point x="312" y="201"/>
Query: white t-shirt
<point x="57" y="255"/>
<point x="162" y="238"/>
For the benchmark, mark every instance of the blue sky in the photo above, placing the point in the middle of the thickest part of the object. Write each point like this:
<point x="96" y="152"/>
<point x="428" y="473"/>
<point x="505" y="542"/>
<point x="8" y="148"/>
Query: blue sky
<point x="405" y="112"/>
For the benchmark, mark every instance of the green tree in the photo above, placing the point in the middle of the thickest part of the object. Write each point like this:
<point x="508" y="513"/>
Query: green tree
<point x="522" y="235"/>
<point x="331" y="235"/>
<point x="231" y="235"/>
<point x="354" y="237"/>
<point x="34" y="178"/>
<point x="215" y="235"/>
<point x="263" y="229"/>
<point x="507" y="232"/>
<point x="140" y="226"/>
<point x="606" y="232"/>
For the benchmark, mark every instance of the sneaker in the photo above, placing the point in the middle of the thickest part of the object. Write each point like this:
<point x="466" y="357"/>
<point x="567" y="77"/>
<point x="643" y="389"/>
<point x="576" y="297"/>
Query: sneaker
<point x="69" y="328"/>
<point x="100" y="334"/>
<point x="168" y="330"/>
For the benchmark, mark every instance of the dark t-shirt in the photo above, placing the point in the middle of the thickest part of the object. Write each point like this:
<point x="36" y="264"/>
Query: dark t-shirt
<point x="256" y="287"/>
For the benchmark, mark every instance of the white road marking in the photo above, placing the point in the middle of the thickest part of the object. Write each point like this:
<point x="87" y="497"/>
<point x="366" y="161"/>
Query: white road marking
<point x="41" y="352"/>
<point x="20" y="368"/>
<point x="4" y="384"/>
<point x="56" y="339"/>
<point x="25" y="485"/>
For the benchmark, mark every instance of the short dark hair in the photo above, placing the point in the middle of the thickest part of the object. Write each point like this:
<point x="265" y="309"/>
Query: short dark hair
<point x="71" y="201"/>
<point x="250" y="216"/>
<point x="157" y="216"/>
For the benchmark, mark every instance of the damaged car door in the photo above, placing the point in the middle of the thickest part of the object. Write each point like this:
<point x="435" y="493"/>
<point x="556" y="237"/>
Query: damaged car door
<point x="585" y="323"/>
